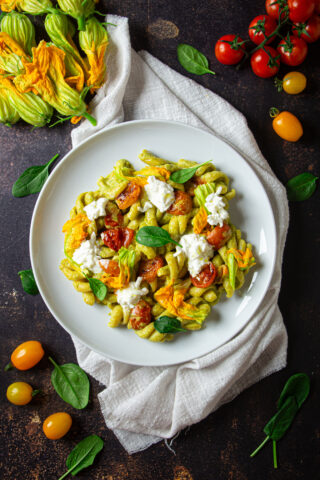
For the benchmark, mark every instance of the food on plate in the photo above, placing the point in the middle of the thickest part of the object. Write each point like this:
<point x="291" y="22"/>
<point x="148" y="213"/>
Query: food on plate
<point x="57" y="425"/>
<point x="286" y="125"/>
<point x="161" y="243"/>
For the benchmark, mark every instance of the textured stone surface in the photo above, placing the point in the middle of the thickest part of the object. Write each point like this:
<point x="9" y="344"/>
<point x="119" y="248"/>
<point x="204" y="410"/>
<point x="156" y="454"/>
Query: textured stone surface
<point x="217" y="448"/>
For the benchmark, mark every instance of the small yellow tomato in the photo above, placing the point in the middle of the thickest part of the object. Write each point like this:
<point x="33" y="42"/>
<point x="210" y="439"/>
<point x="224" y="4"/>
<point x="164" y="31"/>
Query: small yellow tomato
<point x="286" y="125"/>
<point x="294" y="82"/>
<point x="20" y="393"/>
<point x="27" y="355"/>
<point x="57" y="425"/>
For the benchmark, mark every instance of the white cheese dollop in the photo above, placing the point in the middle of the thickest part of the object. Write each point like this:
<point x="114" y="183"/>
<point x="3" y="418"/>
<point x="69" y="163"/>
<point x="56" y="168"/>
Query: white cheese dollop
<point x="96" y="209"/>
<point x="87" y="255"/>
<point x="197" y="250"/>
<point x="130" y="296"/>
<point x="216" y="206"/>
<point x="146" y="207"/>
<point x="161" y="194"/>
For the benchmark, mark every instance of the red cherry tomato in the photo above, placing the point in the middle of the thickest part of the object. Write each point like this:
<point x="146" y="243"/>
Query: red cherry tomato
<point x="110" y="266"/>
<point x="219" y="236"/>
<point x="140" y="315"/>
<point x="113" y="238"/>
<point x="206" y="277"/>
<point x="113" y="220"/>
<point x="182" y="204"/>
<point x="229" y="50"/>
<point x="261" y="27"/>
<point x="262" y="65"/>
<point x="129" y="196"/>
<point x="128" y="235"/>
<point x="317" y="7"/>
<point x="312" y="27"/>
<point x="272" y="8"/>
<point x="300" y="10"/>
<point x="293" y="50"/>
<point x="148" y="268"/>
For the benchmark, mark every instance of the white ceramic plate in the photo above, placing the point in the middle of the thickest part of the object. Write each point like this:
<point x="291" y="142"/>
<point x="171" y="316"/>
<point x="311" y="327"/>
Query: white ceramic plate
<point x="78" y="172"/>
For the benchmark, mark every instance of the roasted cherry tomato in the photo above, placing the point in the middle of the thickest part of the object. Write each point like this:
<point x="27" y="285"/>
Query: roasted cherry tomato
<point x="264" y="66"/>
<point x="317" y="7"/>
<point x="261" y="27"/>
<point x="113" y="220"/>
<point x="57" y="425"/>
<point x="219" y="236"/>
<point x="182" y="204"/>
<point x="148" y="268"/>
<point x="110" y="266"/>
<point x="293" y="50"/>
<point x="140" y="316"/>
<point x="128" y="235"/>
<point x="20" y="393"/>
<point x="309" y="31"/>
<point x="129" y="196"/>
<point x="294" y="82"/>
<point x="113" y="238"/>
<point x="206" y="277"/>
<point x="286" y="125"/>
<point x="229" y="49"/>
<point x="27" y="355"/>
<point x="300" y="10"/>
<point x="272" y="8"/>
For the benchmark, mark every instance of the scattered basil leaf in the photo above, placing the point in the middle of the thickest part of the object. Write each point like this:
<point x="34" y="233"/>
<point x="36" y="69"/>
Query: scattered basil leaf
<point x="83" y="455"/>
<point x="28" y="282"/>
<point x="32" y="179"/>
<point x="281" y="421"/>
<point x="192" y="60"/>
<point x="154" y="237"/>
<point x="297" y="386"/>
<point x="183" y="175"/>
<point x="98" y="288"/>
<point x="301" y="187"/>
<point x="71" y="384"/>
<point x="168" y="325"/>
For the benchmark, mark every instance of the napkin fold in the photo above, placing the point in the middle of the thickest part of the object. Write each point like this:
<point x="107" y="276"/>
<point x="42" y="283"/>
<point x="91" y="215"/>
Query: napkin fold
<point x="143" y="405"/>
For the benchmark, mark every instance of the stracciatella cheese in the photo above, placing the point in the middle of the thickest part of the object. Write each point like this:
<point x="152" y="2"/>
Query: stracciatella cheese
<point x="160" y="194"/>
<point x="197" y="250"/>
<point x="96" y="209"/>
<point x="87" y="255"/>
<point x="130" y="296"/>
<point x="215" y="204"/>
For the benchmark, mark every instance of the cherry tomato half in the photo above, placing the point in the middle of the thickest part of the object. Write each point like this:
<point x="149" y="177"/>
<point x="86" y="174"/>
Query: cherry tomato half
<point x="312" y="27"/>
<point x="127" y="235"/>
<point x="57" y="425"/>
<point x="300" y="10"/>
<point x="286" y="125"/>
<point x="261" y="27"/>
<point x="140" y="316"/>
<point x="272" y="8"/>
<point x="129" y="196"/>
<point x="263" y="65"/>
<point x="294" y="82"/>
<point x="219" y="236"/>
<point x="27" y="355"/>
<point x="229" y="49"/>
<point x="115" y="238"/>
<point x="20" y="393"/>
<point x="293" y="50"/>
<point x="182" y="203"/>
<point x="148" y="268"/>
<point x="110" y="266"/>
<point x="206" y="277"/>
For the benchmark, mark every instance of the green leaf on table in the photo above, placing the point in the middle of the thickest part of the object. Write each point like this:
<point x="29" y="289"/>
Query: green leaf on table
<point x="32" y="179"/>
<point x="297" y="386"/>
<point x="168" y="325"/>
<point x="192" y="60"/>
<point x="83" y="455"/>
<point x="28" y="282"/>
<point x="301" y="187"/>
<point x="281" y="421"/>
<point x="183" y="175"/>
<point x="154" y="237"/>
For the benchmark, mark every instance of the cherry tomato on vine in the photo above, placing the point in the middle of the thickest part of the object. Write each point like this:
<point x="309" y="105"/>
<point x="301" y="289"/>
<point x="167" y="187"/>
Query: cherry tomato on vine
<point x="206" y="277"/>
<point x="300" y="10"/>
<point x="263" y="65"/>
<point x="229" y="49"/>
<point x="309" y="31"/>
<point x="27" y="355"/>
<point x="294" y="83"/>
<point x="286" y="125"/>
<point x="293" y="50"/>
<point x="273" y="6"/>
<point x="57" y="425"/>
<point x="261" y="27"/>
<point x="20" y="393"/>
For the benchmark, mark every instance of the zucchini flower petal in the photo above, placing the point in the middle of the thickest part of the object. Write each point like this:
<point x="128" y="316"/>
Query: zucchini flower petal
<point x="20" y="29"/>
<point x="8" y="5"/>
<point x="94" y="41"/>
<point x="11" y="55"/>
<point x="8" y="114"/>
<point x="34" y="7"/>
<point x="78" y="9"/>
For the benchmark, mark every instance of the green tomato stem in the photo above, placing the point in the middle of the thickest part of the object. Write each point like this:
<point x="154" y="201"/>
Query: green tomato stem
<point x="8" y="367"/>
<point x="35" y="392"/>
<point x="262" y="444"/>
<point x="274" y="450"/>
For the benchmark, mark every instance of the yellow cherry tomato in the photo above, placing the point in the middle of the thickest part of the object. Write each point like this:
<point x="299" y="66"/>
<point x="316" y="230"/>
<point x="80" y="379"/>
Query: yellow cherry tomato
<point x="57" y="425"/>
<point x="286" y="125"/>
<point x="27" y="355"/>
<point x="294" y="82"/>
<point x="20" y="393"/>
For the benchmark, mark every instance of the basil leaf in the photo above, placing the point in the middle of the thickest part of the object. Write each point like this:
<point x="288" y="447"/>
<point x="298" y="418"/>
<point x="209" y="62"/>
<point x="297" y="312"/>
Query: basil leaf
<point x="71" y="384"/>
<point x="83" y="455"/>
<point x="28" y="282"/>
<point x="168" y="325"/>
<point x="98" y="288"/>
<point x="183" y="175"/>
<point x="154" y="237"/>
<point x="301" y="187"/>
<point x="32" y="179"/>
<point x="297" y="386"/>
<point x="281" y="421"/>
<point x="192" y="60"/>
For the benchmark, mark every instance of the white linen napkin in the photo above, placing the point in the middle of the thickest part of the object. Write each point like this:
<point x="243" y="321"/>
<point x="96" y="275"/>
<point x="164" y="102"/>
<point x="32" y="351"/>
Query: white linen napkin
<point x="143" y="405"/>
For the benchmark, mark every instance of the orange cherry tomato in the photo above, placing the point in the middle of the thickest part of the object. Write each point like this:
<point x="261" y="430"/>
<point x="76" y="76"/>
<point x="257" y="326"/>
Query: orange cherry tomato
<point x="129" y="196"/>
<point x="27" y="355"/>
<point x="57" y="425"/>
<point x="206" y="277"/>
<point x="182" y="204"/>
<point x="140" y="316"/>
<point x="20" y="393"/>
<point x="219" y="236"/>
<point x="286" y="125"/>
<point x="148" y="268"/>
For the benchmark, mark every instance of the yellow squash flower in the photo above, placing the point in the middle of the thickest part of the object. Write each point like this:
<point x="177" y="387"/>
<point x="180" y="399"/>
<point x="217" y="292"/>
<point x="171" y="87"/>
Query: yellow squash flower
<point x="11" y="55"/>
<point x="8" y="114"/>
<point x="20" y="29"/>
<point x="78" y="9"/>
<point x="34" y="7"/>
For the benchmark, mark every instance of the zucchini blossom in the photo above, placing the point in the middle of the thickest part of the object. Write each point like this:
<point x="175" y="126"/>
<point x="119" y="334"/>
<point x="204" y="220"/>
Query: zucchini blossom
<point x="94" y="41"/>
<point x="44" y="75"/>
<point x="78" y="9"/>
<point x="11" y="55"/>
<point x="8" y="114"/>
<point x="34" y="7"/>
<point x="20" y="29"/>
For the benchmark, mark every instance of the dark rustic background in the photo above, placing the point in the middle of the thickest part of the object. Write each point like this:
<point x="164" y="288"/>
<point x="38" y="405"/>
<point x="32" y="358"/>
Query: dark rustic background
<point x="217" y="448"/>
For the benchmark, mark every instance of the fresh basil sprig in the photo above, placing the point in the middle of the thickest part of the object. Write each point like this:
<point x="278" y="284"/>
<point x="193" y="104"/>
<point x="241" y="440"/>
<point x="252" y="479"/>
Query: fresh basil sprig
<point x="154" y="237"/>
<point x="83" y="455"/>
<point x="32" y="179"/>
<point x="28" y="282"/>
<point x="71" y="384"/>
<point x="294" y="393"/>
<point x="301" y="187"/>
<point x="192" y="60"/>
<point x="168" y="325"/>
<point x="183" y="175"/>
